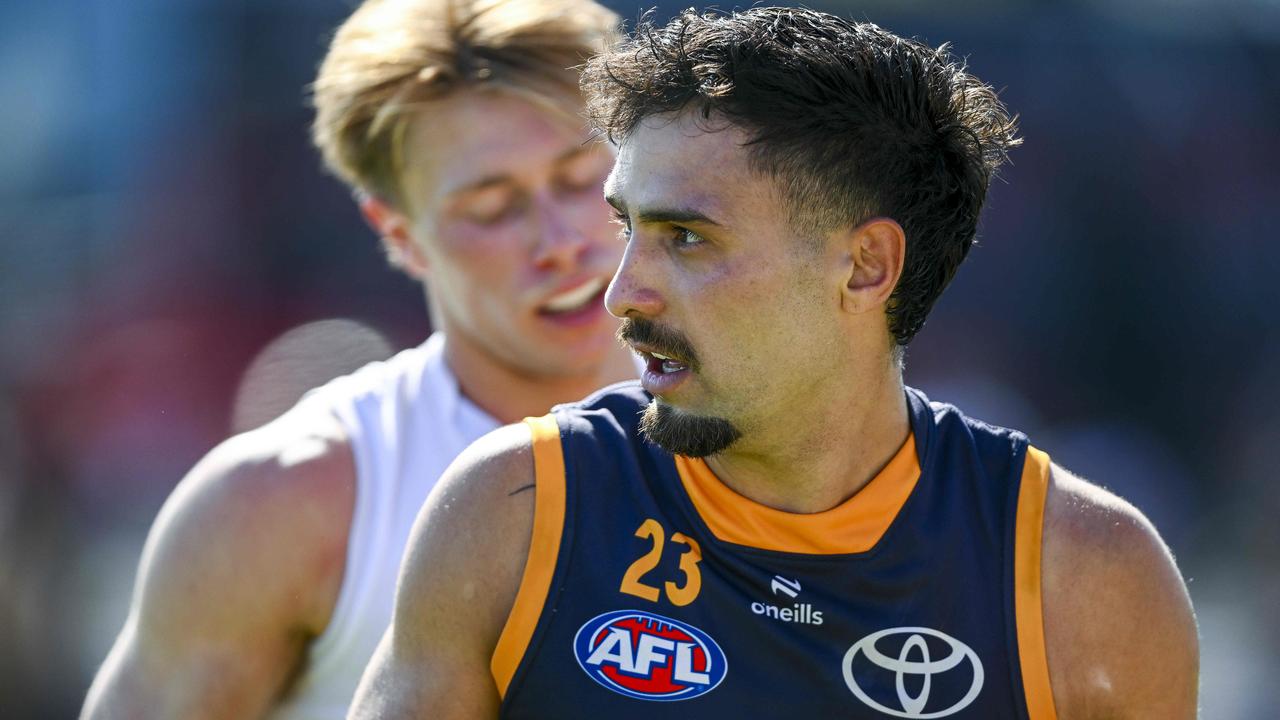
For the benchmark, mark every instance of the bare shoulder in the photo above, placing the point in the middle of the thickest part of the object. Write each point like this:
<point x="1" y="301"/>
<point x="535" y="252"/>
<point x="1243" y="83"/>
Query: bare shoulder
<point x="264" y="509"/>
<point x="1120" y="633"/>
<point x="473" y="531"/>
<point x="458" y="583"/>
<point x="241" y="567"/>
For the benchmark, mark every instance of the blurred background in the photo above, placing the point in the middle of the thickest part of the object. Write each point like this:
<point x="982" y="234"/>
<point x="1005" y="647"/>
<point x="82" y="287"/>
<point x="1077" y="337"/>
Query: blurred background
<point x="174" y="265"/>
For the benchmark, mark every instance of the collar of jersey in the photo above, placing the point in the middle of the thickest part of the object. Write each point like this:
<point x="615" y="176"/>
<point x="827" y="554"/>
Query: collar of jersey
<point x="853" y="526"/>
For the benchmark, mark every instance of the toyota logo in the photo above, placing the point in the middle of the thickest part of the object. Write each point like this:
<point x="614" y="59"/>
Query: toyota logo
<point x="913" y="659"/>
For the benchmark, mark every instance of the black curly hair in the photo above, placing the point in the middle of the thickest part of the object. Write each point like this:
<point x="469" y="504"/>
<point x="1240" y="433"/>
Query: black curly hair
<point x="852" y="121"/>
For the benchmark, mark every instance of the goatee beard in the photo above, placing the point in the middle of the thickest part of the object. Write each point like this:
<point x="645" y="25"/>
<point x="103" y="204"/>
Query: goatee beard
<point x="681" y="433"/>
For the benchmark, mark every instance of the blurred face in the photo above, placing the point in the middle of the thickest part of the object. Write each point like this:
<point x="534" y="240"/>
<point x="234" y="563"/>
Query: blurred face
<point x="736" y="315"/>
<point x="515" y="240"/>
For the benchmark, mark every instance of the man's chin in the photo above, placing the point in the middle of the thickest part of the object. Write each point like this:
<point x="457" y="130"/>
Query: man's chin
<point x="683" y="433"/>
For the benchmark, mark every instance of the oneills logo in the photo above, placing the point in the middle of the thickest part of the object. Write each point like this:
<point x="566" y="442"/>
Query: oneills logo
<point x="801" y="612"/>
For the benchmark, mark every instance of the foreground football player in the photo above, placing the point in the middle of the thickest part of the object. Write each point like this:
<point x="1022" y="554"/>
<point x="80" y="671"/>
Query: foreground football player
<point x="773" y="525"/>
<point x="268" y="578"/>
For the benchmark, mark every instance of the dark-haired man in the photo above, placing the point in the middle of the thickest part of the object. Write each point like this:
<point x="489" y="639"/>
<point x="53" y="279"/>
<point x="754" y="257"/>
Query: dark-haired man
<point x="774" y="526"/>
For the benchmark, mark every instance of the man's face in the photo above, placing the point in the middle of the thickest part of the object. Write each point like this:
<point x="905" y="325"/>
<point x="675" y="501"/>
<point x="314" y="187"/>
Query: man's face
<point x="517" y="243"/>
<point x="716" y="278"/>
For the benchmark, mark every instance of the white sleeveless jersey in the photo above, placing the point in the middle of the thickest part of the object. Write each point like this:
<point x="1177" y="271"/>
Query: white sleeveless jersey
<point x="406" y="421"/>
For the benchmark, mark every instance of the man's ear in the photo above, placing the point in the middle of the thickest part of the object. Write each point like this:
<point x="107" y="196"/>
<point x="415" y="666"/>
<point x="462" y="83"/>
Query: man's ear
<point x="393" y="227"/>
<point x="875" y="252"/>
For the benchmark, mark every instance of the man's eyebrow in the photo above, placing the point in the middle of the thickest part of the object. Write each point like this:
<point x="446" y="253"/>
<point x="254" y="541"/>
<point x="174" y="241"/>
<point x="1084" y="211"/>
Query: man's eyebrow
<point x="674" y="215"/>
<point x="483" y="183"/>
<point x="663" y="215"/>
<point x="499" y="179"/>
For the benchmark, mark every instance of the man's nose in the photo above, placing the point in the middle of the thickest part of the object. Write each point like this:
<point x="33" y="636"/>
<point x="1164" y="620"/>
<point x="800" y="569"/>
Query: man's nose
<point x="632" y="291"/>
<point x="560" y="242"/>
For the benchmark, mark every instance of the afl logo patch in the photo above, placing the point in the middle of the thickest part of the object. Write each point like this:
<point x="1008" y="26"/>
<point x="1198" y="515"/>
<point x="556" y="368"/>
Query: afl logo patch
<point x="649" y="657"/>
<point x="902" y="658"/>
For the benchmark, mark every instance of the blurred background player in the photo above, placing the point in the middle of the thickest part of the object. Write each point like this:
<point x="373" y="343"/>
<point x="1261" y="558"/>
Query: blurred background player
<point x="268" y="577"/>
<point x="778" y="527"/>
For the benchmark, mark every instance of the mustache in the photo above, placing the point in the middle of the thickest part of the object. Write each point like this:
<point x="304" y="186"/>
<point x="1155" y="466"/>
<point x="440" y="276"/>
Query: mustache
<point x="657" y="338"/>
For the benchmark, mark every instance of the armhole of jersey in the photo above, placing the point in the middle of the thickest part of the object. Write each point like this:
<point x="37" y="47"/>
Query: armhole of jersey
<point x="1028" y="606"/>
<point x="544" y="547"/>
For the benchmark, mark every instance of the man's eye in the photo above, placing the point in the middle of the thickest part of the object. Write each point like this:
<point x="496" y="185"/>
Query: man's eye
<point x="491" y="207"/>
<point x="687" y="238"/>
<point x="488" y="217"/>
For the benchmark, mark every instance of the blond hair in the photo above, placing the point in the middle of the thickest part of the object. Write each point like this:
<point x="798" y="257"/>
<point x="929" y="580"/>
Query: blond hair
<point x="391" y="58"/>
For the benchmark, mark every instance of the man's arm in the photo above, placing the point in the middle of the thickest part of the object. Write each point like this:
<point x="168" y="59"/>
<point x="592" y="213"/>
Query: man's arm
<point x="1120" y="633"/>
<point x="241" y="568"/>
<point x="459" y="580"/>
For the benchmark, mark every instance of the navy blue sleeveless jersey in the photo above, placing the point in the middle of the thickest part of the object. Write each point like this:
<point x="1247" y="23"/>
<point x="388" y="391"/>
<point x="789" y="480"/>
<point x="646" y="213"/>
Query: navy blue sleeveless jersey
<point x="652" y="590"/>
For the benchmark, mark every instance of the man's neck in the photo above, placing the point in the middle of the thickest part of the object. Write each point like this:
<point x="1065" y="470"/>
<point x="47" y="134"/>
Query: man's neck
<point x="509" y="394"/>
<point x="814" y="464"/>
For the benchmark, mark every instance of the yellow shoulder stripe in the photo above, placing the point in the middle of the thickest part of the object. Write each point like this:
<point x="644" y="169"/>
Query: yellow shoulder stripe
<point x="544" y="547"/>
<point x="1028" y="606"/>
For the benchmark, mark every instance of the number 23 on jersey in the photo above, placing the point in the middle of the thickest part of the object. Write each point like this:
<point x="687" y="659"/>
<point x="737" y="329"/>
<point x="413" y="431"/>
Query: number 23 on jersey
<point x="683" y="593"/>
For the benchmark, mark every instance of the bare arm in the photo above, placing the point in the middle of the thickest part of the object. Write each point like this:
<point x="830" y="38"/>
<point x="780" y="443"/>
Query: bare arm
<point x="459" y="580"/>
<point x="1119" y="628"/>
<point x="240" y="569"/>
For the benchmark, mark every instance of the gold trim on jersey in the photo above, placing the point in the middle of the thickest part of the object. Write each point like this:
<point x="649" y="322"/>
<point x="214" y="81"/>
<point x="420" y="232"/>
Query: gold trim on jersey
<point x="1028" y="604"/>
<point x="544" y="547"/>
<point x="853" y="526"/>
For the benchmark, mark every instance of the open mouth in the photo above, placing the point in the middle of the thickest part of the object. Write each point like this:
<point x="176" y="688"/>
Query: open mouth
<point x="662" y="373"/>
<point x="588" y="295"/>
<point x="669" y="357"/>
<point x="660" y="364"/>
